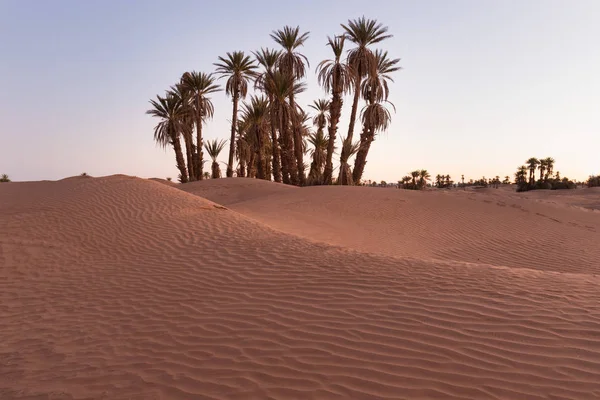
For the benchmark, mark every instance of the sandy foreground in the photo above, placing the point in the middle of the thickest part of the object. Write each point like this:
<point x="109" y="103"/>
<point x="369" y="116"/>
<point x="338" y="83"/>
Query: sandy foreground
<point x="125" y="288"/>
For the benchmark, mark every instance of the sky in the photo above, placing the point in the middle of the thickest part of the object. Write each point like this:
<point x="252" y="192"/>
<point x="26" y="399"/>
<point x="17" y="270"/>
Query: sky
<point x="484" y="85"/>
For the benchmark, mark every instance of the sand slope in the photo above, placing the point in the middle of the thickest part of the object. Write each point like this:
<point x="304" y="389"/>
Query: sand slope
<point x="122" y="288"/>
<point x="490" y="226"/>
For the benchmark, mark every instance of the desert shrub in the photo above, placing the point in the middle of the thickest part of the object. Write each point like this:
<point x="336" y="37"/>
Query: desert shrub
<point x="543" y="185"/>
<point x="169" y="178"/>
<point x="4" y="178"/>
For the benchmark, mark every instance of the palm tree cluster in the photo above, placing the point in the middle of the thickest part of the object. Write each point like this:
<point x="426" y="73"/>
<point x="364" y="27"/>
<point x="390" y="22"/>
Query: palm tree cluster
<point x="417" y="180"/>
<point x="271" y="134"/>
<point x="593" y="181"/>
<point x="525" y="178"/>
<point x="443" y="181"/>
<point x="4" y="178"/>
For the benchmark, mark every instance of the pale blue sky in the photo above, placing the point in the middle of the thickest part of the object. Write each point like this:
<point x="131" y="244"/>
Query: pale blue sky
<point x="485" y="84"/>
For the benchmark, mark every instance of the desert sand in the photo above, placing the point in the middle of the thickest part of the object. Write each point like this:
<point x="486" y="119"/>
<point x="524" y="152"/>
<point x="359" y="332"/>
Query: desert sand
<point x="125" y="288"/>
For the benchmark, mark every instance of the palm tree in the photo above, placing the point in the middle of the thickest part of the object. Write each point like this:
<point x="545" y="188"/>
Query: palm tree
<point x="521" y="175"/>
<point x="239" y="69"/>
<point x="293" y="65"/>
<point x="268" y="59"/>
<point x="532" y="163"/>
<point x="335" y="77"/>
<point x="549" y="167"/>
<point x="439" y="180"/>
<point x="172" y="112"/>
<point x="506" y="180"/>
<point x="375" y="116"/>
<point x="186" y="127"/>
<point x="423" y="178"/>
<point x="405" y="181"/>
<point x="542" y="168"/>
<point x="256" y="117"/>
<point x="414" y="175"/>
<point x="319" y="141"/>
<point x="448" y="181"/>
<point x="363" y="32"/>
<point x="199" y="85"/>
<point x="214" y="148"/>
<point x="281" y="87"/>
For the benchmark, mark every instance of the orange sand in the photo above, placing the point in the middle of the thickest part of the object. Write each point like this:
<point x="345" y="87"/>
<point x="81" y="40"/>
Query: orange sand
<point x="124" y="288"/>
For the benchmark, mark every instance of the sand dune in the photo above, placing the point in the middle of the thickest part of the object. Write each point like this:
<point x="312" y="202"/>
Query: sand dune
<point x="490" y="226"/>
<point x="123" y="288"/>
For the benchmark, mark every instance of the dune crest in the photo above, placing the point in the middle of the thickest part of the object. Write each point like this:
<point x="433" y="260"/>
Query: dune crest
<point x="123" y="288"/>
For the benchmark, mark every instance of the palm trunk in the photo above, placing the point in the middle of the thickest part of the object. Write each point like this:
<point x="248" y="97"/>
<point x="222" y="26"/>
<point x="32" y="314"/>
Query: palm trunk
<point x="283" y="139"/>
<point x="242" y="170"/>
<point x="260" y="156"/>
<point x="292" y="161"/>
<point x="200" y="146"/>
<point x="179" y="157"/>
<point x="366" y="138"/>
<point x="189" y="150"/>
<point x="216" y="171"/>
<point x="297" y="138"/>
<point x="236" y="95"/>
<point x="345" y="157"/>
<point x="335" y="112"/>
<point x="276" y="152"/>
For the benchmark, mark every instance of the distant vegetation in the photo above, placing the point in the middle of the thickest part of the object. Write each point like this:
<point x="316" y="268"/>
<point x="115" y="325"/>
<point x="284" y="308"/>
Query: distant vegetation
<point x="417" y="180"/>
<point x="271" y="134"/>
<point x="525" y="177"/>
<point x="4" y="178"/>
<point x="593" y="181"/>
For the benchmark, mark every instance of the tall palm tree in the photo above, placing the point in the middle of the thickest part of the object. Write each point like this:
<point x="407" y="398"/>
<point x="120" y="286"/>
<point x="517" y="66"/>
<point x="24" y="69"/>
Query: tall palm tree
<point x="238" y="69"/>
<point x="293" y="65"/>
<point x="268" y="58"/>
<point x="172" y="113"/>
<point x="199" y="85"/>
<point x="256" y="116"/>
<point x="319" y="141"/>
<point x="532" y="163"/>
<point x="336" y="77"/>
<point x="363" y="33"/>
<point x="214" y="148"/>
<point x="186" y="127"/>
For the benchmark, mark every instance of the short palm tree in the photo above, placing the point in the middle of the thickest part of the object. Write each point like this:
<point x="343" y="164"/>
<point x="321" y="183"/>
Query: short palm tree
<point x="172" y="113"/>
<point x="318" y="152"/>
<point x="293" y="64"/>
<point x="238" y="69"/>
<point x="199" y="85"/>
<point x="521" y="175"/>
<point x="363" y="33"/>
<point x="214" y="148"/>
<point x="438" y="180"/>
<point x="336" y="77"/>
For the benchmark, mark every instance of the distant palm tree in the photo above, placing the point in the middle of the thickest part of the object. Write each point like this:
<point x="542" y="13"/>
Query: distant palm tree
<point x="293" y="65"/>
<point x="424" y="176"/>
<point x="506" y="180"/>
<point x="199" y="85"/>
<point x="549" y="167"/>
<point x="4" y="178"/>
<point x="172" y="114"/>
<point x="239" y="69"/>
<point x="363" y="33"/>
<point x="336" y="77"/>
<point x="542" y="168"/>
<point x="319" y="141"/>
<point x="414" y="175"/>
<point x="521" y="175"/>
<point x="532" y="163"/>
<point x="405" y="181"/>
<point x="438" y="180"/>
<point x="214" y="148"/>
